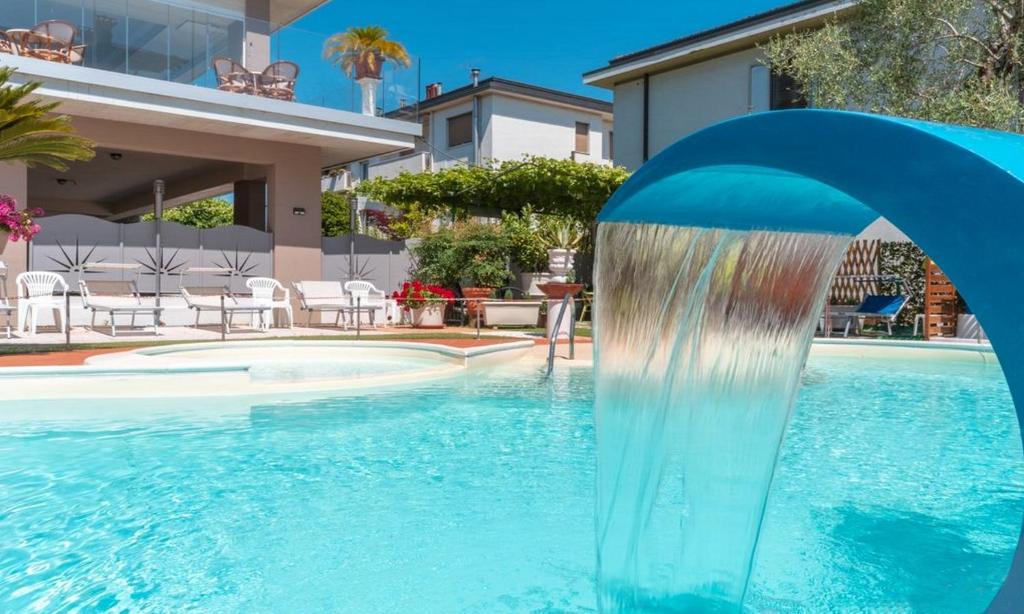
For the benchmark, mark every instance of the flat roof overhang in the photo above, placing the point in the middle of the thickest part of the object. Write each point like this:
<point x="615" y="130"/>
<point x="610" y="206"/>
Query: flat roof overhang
<point x="342" y="136"/>
<point x="744" y="34"/>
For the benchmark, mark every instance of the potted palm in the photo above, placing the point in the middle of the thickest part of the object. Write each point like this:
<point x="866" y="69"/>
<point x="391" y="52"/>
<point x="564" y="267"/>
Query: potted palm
<point x="425" y="303"/>
<point x="361" y="53"/>
<point x="563" y="237"/>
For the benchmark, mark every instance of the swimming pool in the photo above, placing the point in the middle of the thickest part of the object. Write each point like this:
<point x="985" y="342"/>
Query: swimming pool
<point x="901" y="487"/>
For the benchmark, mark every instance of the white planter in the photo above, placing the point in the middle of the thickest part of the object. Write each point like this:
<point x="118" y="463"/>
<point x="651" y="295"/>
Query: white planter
<point x="529" y="281"/>
<point x="429" y="316"/>
<point x="560" y="262"/>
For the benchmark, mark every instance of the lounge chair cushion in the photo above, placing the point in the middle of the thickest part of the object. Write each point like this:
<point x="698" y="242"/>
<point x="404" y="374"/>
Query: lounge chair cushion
<point x="882" y="305"/>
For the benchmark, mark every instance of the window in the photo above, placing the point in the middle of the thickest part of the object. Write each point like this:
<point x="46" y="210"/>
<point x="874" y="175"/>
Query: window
<point x="582" y="138"/>
<point x="460" y="129"/>
<point x="786" y="93"/>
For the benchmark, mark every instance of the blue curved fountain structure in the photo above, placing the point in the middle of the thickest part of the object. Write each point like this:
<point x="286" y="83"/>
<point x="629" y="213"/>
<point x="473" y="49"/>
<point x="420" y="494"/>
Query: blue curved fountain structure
<point x="720" y="249"/>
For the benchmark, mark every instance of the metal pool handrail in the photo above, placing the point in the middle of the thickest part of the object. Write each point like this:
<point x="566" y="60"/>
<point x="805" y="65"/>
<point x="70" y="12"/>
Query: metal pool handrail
<point x="554" y="336"/>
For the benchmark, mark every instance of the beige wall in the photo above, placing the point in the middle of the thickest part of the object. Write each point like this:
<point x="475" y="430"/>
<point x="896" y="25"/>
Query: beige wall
<point x="682" y="101"/>
<point x="295" y="182"/>
<point x="14" y="182"/>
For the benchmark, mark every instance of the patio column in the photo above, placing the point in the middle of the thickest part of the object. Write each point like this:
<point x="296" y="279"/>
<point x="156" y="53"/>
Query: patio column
<point x="251" y="203"/>
<point x="257" y="34"/>
<point x="14" y="182"/>
<point x="293" y="189"/>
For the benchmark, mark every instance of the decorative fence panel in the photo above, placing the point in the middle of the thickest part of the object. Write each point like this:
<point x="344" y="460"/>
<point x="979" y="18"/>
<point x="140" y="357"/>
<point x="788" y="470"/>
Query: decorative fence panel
<point x="849" y="286"/>
<point x="67" y="243"/>
<point x="384" y="263"/>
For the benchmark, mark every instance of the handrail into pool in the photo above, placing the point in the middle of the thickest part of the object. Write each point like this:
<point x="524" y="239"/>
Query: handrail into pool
<point x="553" y="341"/>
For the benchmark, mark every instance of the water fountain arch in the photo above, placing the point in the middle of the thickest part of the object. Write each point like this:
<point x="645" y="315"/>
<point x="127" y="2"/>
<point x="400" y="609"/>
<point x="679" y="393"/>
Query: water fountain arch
<point x="693" y="221"/>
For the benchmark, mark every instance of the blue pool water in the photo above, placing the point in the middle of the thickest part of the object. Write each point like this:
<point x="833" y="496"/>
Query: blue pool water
<point x="901" y="488"/>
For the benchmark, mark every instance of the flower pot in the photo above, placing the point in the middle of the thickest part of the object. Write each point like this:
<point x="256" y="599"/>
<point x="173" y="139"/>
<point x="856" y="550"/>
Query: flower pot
<point x="369" y="66"/>
<point x="473" y="307"/>
<point x="560" y="262"/>
<point x="428" y="316"/>
<point x="528" y="282"/>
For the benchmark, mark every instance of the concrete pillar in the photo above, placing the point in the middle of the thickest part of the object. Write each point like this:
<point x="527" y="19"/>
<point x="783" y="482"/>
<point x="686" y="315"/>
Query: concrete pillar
<point x="251" y="203"/>
<point x="293" y="189"/>
<point x="257" y="34"/>
<point x="14" y="182"/>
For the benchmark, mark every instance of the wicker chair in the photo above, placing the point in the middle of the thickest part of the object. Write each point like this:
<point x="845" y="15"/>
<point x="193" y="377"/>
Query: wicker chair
<point x="233" y="77"/>
<point x="278" y="80"/>
<point x="7" y="45"/>
<point x="50" y="40"/>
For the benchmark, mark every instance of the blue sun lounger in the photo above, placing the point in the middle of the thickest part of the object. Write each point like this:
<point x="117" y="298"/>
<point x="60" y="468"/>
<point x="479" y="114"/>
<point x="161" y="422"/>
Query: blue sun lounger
<point x="887" y="308"/>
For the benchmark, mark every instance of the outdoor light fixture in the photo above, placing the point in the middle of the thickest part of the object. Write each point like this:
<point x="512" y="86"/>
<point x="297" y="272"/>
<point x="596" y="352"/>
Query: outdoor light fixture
<point x="298" y="211"/>
<point x="116" y="156"/>
<point x="66" y="181"/>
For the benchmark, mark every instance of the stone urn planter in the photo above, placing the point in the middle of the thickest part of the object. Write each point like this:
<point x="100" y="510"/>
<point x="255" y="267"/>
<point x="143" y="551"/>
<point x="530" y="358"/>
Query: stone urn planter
<point x="560" y="262"/>
<point x="473" y="307"/>
<point x="428" y="316"/>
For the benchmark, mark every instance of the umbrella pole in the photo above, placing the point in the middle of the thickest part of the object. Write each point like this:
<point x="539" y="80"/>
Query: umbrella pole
<point x="158" y="200"/>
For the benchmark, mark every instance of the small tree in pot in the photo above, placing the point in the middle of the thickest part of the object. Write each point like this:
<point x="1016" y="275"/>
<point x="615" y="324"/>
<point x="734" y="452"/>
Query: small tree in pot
<point x="361" y="53"/>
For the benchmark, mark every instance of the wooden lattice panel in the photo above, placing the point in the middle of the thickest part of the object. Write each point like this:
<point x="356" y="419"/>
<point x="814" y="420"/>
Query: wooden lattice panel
<point x="861" y="260"/>
<point x="940" y="303"/>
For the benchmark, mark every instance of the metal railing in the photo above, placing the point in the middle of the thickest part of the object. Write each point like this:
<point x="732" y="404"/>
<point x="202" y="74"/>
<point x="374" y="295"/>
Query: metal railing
<point x="553" y="341"/>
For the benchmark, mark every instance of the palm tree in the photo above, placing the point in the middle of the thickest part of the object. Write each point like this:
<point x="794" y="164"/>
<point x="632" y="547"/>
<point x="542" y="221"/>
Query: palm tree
<point x="361" y="53"/>
<point x="30" y="134"/>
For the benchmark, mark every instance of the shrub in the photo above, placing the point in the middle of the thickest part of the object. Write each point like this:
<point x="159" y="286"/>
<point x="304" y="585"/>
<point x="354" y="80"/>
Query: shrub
<point x="467" y="254"/>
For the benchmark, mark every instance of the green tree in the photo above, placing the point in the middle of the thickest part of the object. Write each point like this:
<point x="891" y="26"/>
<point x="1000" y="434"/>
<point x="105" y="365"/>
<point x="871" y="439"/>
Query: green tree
<point x="467" y="254"/>
<point x="206" y="213"/>
<point x="335" y="214"/>
<point x="31" y="134"/>
<point x="955" y="61"/>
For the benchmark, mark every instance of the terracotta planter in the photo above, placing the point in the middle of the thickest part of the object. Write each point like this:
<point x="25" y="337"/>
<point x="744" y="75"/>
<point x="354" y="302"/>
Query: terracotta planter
<point x="556" y="291"/>
<point x="369" y="66"/>
<point x="473" y="307"/>
<point x="429" y="316"/>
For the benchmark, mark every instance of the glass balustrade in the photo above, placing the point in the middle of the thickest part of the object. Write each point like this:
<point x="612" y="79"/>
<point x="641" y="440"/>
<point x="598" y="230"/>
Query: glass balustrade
<point x="179" y="40"/>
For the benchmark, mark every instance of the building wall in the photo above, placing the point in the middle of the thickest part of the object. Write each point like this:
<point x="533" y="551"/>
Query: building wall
<point x="683" y="101"/>
<point x="445" y="156"/>
<point x="523" y="127"/>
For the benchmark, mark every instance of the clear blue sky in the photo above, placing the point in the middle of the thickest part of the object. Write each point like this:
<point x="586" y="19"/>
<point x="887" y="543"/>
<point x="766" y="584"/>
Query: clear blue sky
<point x="550" y="43"/>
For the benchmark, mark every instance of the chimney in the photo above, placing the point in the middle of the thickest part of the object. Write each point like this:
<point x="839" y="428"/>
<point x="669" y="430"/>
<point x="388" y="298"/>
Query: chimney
<point x="434" y="90"/>
<point x="475" y="74"/>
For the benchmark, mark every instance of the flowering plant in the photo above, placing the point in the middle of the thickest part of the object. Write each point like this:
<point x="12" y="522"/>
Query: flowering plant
<point x="19" y="223"/>
<point x="416" y="294"/>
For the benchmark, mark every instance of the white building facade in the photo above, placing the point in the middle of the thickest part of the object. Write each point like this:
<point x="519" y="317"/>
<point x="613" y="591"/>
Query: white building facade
<point x="498" y="120"/>
<point x="669" y="91"/>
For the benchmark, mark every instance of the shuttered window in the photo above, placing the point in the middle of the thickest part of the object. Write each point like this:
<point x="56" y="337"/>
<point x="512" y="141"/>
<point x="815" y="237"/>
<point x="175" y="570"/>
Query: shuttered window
<point x="582" y="138"/>
<point x="460" y="129"/>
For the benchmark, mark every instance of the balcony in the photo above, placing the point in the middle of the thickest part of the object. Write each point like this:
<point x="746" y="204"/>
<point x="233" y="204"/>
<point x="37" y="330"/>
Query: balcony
<point x="173" y="41"/>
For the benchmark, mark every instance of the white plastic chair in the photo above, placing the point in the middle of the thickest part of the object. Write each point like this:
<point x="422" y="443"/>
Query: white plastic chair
<point x="368" y="296"/>
<point x="35" y="293"/>
<point x="263" y="291"/>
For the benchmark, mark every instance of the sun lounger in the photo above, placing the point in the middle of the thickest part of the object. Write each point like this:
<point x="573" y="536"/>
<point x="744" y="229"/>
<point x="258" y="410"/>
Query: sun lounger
<point x="117" y="298"/>
<point x="322" y="296"/>
<point x="220" y="300"/>
<point x="884" y="307"/>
